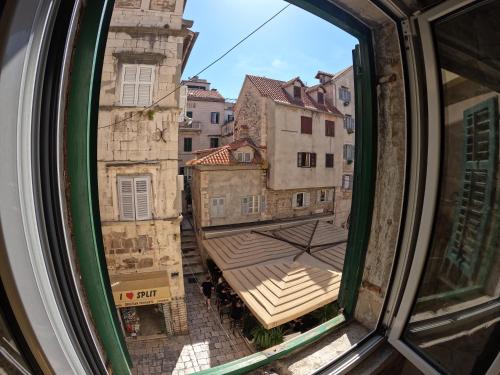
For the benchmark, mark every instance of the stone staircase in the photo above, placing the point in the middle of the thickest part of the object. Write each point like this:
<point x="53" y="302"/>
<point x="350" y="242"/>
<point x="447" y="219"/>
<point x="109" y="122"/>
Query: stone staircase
<point x="192" y="265"/>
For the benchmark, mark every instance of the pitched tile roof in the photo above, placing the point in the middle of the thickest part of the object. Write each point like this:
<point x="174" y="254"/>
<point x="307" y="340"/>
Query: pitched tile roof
<point x="320" y="72"/>
<point x="273" y="89"/>
<point x="205" y="95"/>
<point x="223" y="155"/>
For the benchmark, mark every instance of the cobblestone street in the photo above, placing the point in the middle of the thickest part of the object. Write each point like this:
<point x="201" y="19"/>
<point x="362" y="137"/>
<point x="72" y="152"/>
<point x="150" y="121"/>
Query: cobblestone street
<point x="206" y="346"/>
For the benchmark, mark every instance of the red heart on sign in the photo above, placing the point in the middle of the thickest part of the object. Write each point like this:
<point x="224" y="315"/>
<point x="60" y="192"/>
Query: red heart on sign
<point x="129" y="295"/>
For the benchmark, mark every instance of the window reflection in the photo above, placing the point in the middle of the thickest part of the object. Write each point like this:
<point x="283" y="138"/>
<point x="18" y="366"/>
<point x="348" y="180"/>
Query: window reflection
<point x="455" y="320"/>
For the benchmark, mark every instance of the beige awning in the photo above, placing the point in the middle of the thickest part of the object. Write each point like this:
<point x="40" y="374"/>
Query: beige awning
<point x="140" y="289"/>
<point x="282" y="274"/>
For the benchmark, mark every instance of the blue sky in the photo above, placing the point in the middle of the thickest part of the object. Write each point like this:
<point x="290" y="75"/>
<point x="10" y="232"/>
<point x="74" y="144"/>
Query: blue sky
<point x="296" y="43"/>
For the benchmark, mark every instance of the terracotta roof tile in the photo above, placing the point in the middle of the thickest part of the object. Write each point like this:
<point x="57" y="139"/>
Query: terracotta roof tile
<point x="205" y="95"/>
<point x="223" y="155"/>
<point x="273" y="89"/>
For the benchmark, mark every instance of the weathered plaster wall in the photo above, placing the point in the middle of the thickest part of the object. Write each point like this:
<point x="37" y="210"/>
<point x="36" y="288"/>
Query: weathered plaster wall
<point x="391" y="148"/>
<point x="232" y="184"/>
<point x="201" y="138"/>
<point x="286" y="140"/>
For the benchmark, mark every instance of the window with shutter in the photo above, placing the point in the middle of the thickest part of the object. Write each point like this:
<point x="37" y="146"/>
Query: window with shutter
<point x="137" y="85"/>
<point x="217" y="207"/>
<point x="349" y="153"/>
<point x="214" y="117"/>
<point x="306" y="159"/>
<point x="251" y="204"/>
<point x="134" y="194"/>
<point x="473" y="209"/>
<point x="347" y="182"/>
<point x="322" y="195"/>
<point x="344" y="94"/>
<point x="329" y="128"/>
<point x="306" y="125"/>
<point x="349" y="124"/>
<point x="300" y="200"/>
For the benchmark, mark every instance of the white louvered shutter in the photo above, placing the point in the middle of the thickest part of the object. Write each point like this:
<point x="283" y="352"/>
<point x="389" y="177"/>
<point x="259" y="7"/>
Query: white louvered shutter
<point x="331" y="193"/>
<point x="294" y="200"/>
<point x="145" y="85"/>
<point x="220" y="209"/>
<point x="244" y="206"/>
<point x="213" y="207"/>
<point x="307" y="199"/>
<point x="129" y="84"/>
<point x="126" y="198"/>
<point x="142" y="198"/>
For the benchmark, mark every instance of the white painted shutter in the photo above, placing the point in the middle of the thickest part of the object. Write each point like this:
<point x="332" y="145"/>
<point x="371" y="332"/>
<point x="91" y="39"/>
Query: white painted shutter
<point x="331" y="193"/>
<point x="129" y="84"/>
<point x="145" y="85"/>
<point x="220" y="210"/>
<point x="146" y="74"/>
<point x="244" y="206"/>
<point x="142" y="198"/>
<point x="144" y="95"/>
<point x="307" y="200"/>
<point x="126" y="197"/>
<point x="262" y="203"/>
<point x="213" y="207"/>
<point x="294" y="200"/>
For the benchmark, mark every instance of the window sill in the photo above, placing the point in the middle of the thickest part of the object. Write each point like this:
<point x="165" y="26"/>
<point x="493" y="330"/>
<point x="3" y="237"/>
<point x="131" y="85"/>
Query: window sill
<point x="338" y="337"/>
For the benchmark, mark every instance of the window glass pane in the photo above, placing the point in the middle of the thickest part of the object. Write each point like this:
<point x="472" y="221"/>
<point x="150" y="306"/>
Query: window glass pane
<point x="454" y="321"/>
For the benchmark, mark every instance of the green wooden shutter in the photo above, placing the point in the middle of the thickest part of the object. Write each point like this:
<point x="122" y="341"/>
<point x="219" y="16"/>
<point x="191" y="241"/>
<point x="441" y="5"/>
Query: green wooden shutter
<point x="473" y="209"/>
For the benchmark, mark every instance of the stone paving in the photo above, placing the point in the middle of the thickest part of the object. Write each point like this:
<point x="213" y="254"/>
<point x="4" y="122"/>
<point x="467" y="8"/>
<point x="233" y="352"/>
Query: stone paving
<point x="207" y="345"/>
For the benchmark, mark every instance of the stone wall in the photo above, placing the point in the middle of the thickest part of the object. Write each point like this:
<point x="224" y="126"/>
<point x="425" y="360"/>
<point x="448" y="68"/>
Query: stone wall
<point x="390" y="175"/>
<point x="249" y="113"/>
<point x="232" y="184"/>
<point x="279" y="203"/>
<point x="159" y="14"/>
<point x="132" y="141"/>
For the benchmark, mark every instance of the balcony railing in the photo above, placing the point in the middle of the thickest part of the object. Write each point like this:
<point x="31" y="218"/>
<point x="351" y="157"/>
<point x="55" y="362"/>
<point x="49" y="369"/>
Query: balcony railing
<point x="194" y="125"/>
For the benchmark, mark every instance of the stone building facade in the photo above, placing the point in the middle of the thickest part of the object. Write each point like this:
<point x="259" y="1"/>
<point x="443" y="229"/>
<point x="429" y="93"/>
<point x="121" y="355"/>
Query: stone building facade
<point x="339" y="90"/>
<point x="206" y="109"/>
<point x="298" y="137"/>
<point x="139" y="187"/>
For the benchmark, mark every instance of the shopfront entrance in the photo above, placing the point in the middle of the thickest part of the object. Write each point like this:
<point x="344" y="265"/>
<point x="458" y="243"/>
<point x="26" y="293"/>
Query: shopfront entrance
<point x="140" y="299"/>
<point x="143" y="321"/>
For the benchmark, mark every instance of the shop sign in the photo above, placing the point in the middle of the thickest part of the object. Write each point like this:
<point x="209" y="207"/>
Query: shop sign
<point x="141" y="297"/>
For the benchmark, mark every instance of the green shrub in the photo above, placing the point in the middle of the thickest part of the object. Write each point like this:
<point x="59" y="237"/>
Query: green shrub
<point x="325" y="313"/>
<point x="266" y="338"/>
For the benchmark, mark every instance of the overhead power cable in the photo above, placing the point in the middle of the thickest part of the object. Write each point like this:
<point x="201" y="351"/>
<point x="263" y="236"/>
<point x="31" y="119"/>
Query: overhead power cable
<point x="201" y="71"/>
